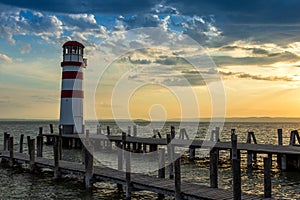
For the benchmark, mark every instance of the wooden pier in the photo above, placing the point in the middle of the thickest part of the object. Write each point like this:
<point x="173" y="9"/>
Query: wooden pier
<point x="172" y="186"/>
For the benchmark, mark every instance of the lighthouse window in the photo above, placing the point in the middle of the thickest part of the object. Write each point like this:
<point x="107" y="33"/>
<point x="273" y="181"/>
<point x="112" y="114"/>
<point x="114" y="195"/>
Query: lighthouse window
<point x="74" y="50"/>
<point x="80" y="51"/>
<point x="67" y="50"/>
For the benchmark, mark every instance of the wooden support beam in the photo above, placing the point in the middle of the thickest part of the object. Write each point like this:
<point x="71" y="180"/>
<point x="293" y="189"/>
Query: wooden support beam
<point x="170" y="157"/>
<point x="128" y="187"/>
<point x="192" y="151"/>
<point x="267" y="177"/>
<point x="56" y="151"/>
<point x="217" y="134"/>
<point x="134" y="131"/>
<point x="236" y="168"/>
<point x="39" y="145"/>
<point x="21" y="143"/>
<point x="280" y="143"/>
<point x="11" y="151"/>
<point x="214" y="168"/>
<point x="120" y="164"/>
<point x="177" y="179"/>
<point x="5" y="141"/>
<point x="161" y="167"/>
<point x="108" y="130"/>
<point x="31" y="150"/>
<point x="89" y="166"/>
<point x="173" y="132"/>
<point x="51" y="128"/>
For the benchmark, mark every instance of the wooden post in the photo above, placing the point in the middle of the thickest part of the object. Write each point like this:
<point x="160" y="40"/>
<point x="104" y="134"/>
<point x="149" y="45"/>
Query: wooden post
<point x="56" y="149"/>
<point x="177" y="180"/>
<point x="292" y="138"/>
<point x="21" y="143"/>
<point x="172" y="132"/>
<point x="280" y="142"/>
<point x="31" y="149"/>
<point x="128" y="175"/>
<point x="51" y="128"/>
<point x="249" y="153"/>
<point x="120" y="164"/>
<point x="134" y="131"/>
<point x="108" y="130"/>
<point x="11" y="151"/>
<point x="161" y="167"/>
<point x="283" y="162"/>
<point x="129" y="130"/>
<point x="89" y="167"/>
<point x="99" y="131"/>
<point x="123" y="140"/>
<point x="217" y="134"/>
<point x="212" y="135"/>
<point x="60" y="130"/>
<point x="214" y="168"/>
<point x="4" y="141"/>
<point x="39" y="145"/>
<point x="192" y="153"/>
<point x="236" y="169"/>
<point x="267" y="178"/>
<point x="170" y="156"/>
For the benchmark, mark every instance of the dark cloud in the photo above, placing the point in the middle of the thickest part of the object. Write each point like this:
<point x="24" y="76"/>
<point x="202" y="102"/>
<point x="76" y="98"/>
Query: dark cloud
<point x="171" y="61"/>
<point x="85" y="6"/>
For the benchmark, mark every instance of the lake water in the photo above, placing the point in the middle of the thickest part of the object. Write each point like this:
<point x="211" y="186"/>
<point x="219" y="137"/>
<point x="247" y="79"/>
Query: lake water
<point x="19" y="184"/>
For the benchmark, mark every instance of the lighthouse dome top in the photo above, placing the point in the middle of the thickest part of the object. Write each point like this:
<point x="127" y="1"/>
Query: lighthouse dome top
<point x="73" y="43"/>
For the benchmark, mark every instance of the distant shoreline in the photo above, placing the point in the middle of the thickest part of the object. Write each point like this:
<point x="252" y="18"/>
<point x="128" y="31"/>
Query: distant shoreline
<point x="230" y="119"/>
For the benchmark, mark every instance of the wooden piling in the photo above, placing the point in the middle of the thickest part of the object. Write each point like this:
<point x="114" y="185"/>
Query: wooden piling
<point x="134" y="131"/>
<point x="129" y="131"/>
<point x="31" y="150"/>
<point x="249" y="153"/>
<point x="5" y="141"/>
<point x="39" y="145"/>
<point x="21" y="143"/>
<point x="267" y="178"/>
<point x="217" y="134"/>
<point x="51" y="128"/>
<point x="212" y="134"/>
<point x="120" y="164"/>
<point x="283" y="162"/>
<point x="170" y="156"/>
<point x="236" y="169"/>
<point x="192" y="151"/>
<point x="11" y="151"/>
<point x="161" y="167"/>
<point x="177" y="180"/>
<point x="56" y="151"/>
<point x="89" y="167"/>
<point x="108" y="130"/>
<point x="173" y="132"/>
<point x="280" y="143"/>
<point x="214" y="168"/>
<point x="128" y="187"/>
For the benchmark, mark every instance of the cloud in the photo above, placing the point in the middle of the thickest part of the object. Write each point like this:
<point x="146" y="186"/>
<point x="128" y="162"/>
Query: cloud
<point x="85" y="6"/>
<point x="6" y="58"/>
<point x="256" y="77"/>
<point x="26" y="48"/>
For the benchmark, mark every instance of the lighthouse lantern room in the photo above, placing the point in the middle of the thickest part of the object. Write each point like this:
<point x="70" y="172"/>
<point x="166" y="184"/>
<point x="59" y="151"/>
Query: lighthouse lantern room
<point x="71" y="104"/>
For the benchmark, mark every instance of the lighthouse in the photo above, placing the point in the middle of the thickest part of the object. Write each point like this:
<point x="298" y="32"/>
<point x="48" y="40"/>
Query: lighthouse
<point x="71" y="103"/>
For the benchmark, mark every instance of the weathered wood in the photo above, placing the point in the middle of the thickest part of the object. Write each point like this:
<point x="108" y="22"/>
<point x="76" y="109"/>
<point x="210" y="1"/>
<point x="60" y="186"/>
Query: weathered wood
<point x="129" y="131"/>
<point x="89" y="166"/>
<point x="99" y="131"/>
<point x="51" y="128"/>
<point x="120" y="164"/>
<point x="267" y="177"/>
<point x="214" y="168"/>
<point x="249" y="153"/>
<point x="31" y="150"/>
<point x="5" y="141"/>
<point x="21" y="143"/>
<point x="192" y="151"/>
<point x="217" y="134"/>
<point x="134" y="131"/>
<point x="173" y="132"/>
<point x="178" y="195"/>
<point x="128" y="187"/>
<point x="39" y="145"/>
<point x="11" y="151"/>
<point x="56" y="149"/>
<point x="170" y="157"/>
<point x="280" y="143"/>
<point x="236" y="174"/>
<point x="123" y="140"/>
<point x="161" y="168"/>
<point x="236" y="168"/>
<point x="40" y="130"/>
<point x="108" y="130"/>
<point x="212" y="134"/>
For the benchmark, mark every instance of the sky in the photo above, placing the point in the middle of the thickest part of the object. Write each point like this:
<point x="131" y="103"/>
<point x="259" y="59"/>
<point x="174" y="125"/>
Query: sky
<point x="153" y="59"/>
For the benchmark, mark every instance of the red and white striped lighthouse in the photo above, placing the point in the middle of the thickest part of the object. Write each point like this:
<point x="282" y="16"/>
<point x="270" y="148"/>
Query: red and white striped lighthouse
<point x="71" y="104"/>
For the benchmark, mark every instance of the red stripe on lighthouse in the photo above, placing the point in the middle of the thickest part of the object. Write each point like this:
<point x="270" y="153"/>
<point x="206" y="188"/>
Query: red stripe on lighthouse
<point x="71" y="94"/>
<point x="72" y="75"/>
<point x="72" y="63"/>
